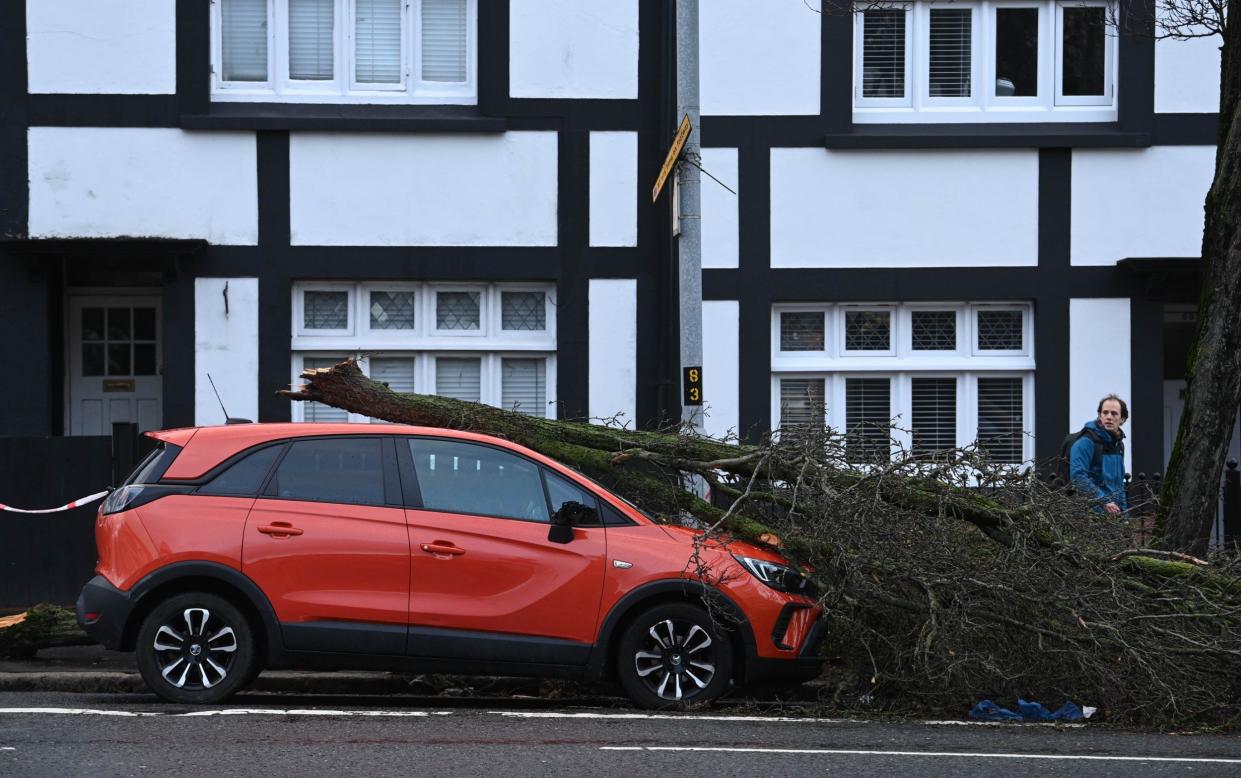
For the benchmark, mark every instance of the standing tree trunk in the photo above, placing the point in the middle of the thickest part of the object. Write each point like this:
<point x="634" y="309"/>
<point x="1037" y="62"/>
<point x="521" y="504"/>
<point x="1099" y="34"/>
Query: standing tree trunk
<point x="1213" y="372"/>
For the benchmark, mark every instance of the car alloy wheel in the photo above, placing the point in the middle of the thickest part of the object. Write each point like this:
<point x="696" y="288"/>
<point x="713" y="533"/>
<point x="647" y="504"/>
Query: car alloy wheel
<point x="196" y="648"/>
<point x="674" y="655"/>
<point x="198" y="653"/>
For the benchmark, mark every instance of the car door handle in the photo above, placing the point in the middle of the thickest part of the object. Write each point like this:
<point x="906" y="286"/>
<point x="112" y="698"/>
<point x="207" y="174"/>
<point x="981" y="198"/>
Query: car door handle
<point x="440" y="547"/>
<point x="279" y="529"/>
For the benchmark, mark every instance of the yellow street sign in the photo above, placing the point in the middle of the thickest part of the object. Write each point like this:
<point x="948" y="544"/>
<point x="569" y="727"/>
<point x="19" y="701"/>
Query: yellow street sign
<point x="674" y="153"/>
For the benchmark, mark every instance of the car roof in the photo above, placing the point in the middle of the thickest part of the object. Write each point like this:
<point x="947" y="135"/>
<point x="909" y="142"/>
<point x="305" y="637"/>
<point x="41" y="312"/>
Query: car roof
<point x="206" y="447"/>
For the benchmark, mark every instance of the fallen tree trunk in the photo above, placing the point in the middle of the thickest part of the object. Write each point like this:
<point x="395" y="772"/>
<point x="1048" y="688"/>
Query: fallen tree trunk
<point x="43" y="626"/>
<point x="948" y="578"/>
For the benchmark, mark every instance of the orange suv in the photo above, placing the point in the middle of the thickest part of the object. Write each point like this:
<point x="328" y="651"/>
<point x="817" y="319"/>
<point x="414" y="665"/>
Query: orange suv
<point x="230" y="549"/>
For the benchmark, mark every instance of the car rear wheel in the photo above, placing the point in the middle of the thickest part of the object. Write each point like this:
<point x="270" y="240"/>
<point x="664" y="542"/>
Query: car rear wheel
<point x="196" y="648"/>
<point x="674" y="655"/>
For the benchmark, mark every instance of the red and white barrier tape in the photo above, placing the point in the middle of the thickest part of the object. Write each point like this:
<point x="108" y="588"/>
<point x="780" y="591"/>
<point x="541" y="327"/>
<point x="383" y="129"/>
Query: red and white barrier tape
<point x="67" y="506"/>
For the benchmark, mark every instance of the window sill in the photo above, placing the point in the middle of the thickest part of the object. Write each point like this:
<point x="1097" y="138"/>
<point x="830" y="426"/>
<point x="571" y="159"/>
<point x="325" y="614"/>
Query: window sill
<point x="973" y="136"/>
<point x="290" y="116"/>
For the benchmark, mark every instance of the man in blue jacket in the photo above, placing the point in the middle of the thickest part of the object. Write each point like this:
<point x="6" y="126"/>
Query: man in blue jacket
<point x="1097" y="459"/>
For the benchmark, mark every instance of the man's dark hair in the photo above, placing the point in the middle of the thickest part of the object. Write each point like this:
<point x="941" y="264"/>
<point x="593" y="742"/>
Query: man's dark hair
<point x="1124" y="408"/>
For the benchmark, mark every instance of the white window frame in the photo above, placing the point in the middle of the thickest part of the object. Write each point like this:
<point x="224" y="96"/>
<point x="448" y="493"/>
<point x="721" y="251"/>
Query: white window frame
<point x="497" y="312"/>
<point x="965" y="363"/>
<point x="906" y="328"/>
<point x="299" y="310"/>
<point x="344" y="88"/>
<point x="828" y="331"/>
<point x="882" y="102"/>
<point x="408" y="14"/>
<point x="1027" y="327"/>
<point x="922" y="54"/>
<point x="984" y="105"/>
<point x="424" y="343"/>
<point x="279" y="56"/>
<point x="841" y="317"/>
<point x="994" y="102"/>
<point x="486" y="321"/>
<point x="1109" y="58"/>
<point x="901" y="402"/>
<point x="364" y="311"/>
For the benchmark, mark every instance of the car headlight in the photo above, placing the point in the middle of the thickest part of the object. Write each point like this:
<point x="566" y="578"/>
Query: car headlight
<point x="782" y="578"/>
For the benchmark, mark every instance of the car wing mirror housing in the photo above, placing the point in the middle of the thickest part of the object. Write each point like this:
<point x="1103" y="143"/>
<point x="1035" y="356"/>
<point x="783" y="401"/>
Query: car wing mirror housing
<point x="571" y="514"/>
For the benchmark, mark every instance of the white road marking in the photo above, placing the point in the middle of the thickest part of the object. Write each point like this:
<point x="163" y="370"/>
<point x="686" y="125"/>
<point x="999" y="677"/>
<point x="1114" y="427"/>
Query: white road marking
<point x="677" y="717"/>
<point x="7" y="748"/>
<point x="78" y="712"/>
<point x="962" y="754"/>
<point x="962" y="723"/>
<point x="229" y="712"/>
<point x="312" y="712"/>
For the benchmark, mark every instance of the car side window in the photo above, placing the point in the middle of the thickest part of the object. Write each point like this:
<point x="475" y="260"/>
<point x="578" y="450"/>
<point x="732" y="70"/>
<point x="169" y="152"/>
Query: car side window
<point x="348" y="470"/>
<point x="561" y="490"/>
<point x="245" y="477"/>
<point x="460" y="477"/>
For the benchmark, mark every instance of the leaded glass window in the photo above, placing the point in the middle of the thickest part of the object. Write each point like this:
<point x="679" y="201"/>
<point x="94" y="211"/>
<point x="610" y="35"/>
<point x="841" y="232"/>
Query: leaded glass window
<point x="868" y="331"/>
<point x="392" y="310"/>
<point x="523" y="311"/>
<point x="801" y="331"/>
<point x="325" y="310"/>
<point x="934" y="330"/>
<point x="457" y="311"/>
<point x="999" y="331"/>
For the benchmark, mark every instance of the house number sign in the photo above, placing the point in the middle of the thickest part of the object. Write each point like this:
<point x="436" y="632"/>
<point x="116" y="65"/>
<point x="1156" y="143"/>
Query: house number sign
<point x="691" y="380"/>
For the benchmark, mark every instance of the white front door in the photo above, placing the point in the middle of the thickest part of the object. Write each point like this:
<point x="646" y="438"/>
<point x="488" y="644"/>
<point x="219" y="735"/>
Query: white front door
<point x="115" y="364"/>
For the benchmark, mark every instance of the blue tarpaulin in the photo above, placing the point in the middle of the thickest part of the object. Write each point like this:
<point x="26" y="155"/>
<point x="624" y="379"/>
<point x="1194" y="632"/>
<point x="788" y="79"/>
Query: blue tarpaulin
<point x="1026" y="711"/>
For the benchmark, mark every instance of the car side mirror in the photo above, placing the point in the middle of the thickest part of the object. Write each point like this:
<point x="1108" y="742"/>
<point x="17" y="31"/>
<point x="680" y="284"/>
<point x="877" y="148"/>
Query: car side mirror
<point x="570" y="515"/>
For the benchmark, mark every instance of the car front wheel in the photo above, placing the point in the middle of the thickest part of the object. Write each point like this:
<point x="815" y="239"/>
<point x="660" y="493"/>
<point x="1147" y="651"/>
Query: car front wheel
<point x="196" y="648"/>
<point x="674" y="655"/>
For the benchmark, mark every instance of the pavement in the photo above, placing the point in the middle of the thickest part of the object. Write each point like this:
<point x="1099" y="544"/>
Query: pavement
<point x="94" y="669"/>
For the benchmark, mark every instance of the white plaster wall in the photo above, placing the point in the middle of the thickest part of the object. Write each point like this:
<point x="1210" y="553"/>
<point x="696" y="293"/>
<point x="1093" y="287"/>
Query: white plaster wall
<point x="759" y="58"/>
<point x="1139" y="203"/>
<point x="573" y="48"/>
<point x="719" y="209"/>
<point x="614" y="189"/>
<point x="972" y="208"/>
<point x="226" y="347"/>
<point x="1099" y="361"/>
<point x="721" y="372"/>
<point x="380" y="189"/>
<point x="101" y="46"/>
<point x="613" y="331"/>
<point x="1187" y="75"/>
<point x="92" y="182"/>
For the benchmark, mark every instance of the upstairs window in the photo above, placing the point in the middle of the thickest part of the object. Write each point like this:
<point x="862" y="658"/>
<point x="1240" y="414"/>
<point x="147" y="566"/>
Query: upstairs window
<point x="351" y="51"/>
<point x="985" y="61"/>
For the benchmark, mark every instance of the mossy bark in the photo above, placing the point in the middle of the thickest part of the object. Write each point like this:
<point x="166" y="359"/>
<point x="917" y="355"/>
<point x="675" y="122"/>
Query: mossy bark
<point x="43" y="626"/>
<point x="1213" y="371"/>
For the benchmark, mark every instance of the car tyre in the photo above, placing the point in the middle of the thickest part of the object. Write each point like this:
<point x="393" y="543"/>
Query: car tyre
<point x="674" y="656"/>
<point x="196" y="648"/>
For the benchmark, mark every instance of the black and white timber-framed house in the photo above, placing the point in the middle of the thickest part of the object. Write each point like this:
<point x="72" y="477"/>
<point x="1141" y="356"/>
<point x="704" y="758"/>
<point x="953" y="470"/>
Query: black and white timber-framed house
<point x="979" y="216"/>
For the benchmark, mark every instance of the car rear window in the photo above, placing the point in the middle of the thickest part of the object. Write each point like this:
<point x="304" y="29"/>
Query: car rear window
<point x="348" y="470"/>
<point x="244" y="477"/>
<point x="154" y="465"/>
